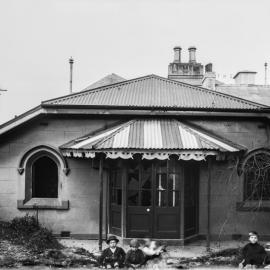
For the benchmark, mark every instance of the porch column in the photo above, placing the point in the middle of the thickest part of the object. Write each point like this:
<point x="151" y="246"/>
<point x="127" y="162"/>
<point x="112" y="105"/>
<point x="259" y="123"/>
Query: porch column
<point x="208" y="204"/>
<point x="100" y="202"/>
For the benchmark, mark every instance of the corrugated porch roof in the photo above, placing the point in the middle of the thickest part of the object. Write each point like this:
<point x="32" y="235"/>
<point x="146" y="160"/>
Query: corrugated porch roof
<point x="154" y="138"/>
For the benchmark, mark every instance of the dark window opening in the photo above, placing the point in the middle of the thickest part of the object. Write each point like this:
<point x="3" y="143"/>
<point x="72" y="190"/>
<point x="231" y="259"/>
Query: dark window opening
<point x="44" y="178"/>
<point x="257" y="178"/>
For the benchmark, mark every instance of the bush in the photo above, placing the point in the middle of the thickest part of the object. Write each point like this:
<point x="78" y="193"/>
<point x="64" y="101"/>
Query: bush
<point x="26" y="231"/>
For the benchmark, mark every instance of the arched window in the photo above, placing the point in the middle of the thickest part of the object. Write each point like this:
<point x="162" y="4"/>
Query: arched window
<point x="43" y="170"/>
<point x="256" y="170"/>
<point x="44" y="178"/>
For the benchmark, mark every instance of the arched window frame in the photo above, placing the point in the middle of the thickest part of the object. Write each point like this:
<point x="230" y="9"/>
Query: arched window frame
<point x="248" y="204"/>
<point x="26" y="200"/>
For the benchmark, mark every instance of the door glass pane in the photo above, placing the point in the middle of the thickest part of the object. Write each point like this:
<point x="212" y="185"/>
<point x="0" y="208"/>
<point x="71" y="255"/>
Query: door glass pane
<point x="173" y="198"/>
<point x="162" y="167"/>
<point x="133" y="180"/>
<point x="161" y="183"/>
<point x="118" y="179"/>
<point x="146" y="175"/>
<point x="146" y="181"/>
<point x="174" y="181"/>
<point x="133" y="197"/>
<point x="160" y="198"/>
<point x="113" y="196"/>
<point x="146" y="197"/>
<point x="119" y="196"/>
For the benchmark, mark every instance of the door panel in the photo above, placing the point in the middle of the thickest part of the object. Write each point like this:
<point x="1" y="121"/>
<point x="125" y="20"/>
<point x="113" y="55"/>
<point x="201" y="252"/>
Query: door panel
<point x="139" y="199"/>
<point x="167" y="210"/>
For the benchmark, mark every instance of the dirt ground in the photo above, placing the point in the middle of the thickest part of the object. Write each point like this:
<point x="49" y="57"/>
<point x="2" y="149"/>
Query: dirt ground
<point x="194" y="249"/>
<point x="188" y="256"/>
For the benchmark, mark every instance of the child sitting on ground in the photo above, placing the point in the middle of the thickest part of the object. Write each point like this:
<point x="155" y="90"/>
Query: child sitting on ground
<point x="135" y="257"/>
<point x="113" y="256"/>
<point x="253" y="253"/>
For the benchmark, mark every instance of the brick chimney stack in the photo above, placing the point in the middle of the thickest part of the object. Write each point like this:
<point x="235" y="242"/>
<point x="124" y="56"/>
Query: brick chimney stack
<point x="192" y="54"/>
<point x="209" y="79"/>
<point x="177" y="54"/>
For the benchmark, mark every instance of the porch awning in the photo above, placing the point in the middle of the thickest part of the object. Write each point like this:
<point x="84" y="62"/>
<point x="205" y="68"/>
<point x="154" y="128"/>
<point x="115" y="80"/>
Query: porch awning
<point x="153" y="138"/>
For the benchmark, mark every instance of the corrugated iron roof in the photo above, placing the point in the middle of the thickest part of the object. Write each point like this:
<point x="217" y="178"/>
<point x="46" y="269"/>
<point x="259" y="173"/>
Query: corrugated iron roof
<point x="152" y="134"/>
<point x="154" y="92"/>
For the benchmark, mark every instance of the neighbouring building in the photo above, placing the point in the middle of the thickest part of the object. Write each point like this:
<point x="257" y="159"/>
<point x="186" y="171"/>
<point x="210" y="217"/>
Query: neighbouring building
<point x="146" y="157"/>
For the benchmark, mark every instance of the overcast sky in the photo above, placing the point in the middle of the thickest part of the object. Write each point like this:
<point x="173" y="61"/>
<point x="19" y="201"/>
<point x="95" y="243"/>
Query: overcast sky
<point x="128" y="37"/>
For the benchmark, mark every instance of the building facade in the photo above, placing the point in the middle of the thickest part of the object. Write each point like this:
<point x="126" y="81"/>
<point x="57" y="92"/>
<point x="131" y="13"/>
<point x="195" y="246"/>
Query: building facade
<point x="147" y="157"/>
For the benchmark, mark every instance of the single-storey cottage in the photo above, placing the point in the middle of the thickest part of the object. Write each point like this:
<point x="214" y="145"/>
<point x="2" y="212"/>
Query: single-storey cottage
<point x="146" y="157"/>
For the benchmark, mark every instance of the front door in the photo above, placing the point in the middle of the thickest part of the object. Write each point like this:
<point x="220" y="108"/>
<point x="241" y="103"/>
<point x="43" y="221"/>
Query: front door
<point x="153" y="200"/>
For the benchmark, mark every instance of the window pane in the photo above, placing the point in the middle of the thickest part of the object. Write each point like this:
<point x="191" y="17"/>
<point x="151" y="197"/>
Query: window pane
<point x="133" y="197"/>
<point x="257" y="177"/>
<point x="146" y="197"/>
<point x="45" y="178"/>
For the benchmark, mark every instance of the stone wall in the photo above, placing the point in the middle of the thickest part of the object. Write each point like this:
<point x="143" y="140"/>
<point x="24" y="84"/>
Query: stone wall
<point x="80" y="186"/>
<point x="227" y="186"/>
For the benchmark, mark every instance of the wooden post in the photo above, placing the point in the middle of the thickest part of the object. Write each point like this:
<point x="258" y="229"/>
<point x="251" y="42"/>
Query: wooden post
<point x="208" y="204"/>
<point x="107" y="205"/>
<point x="124" y="201"/>
<point x="100" y="202"/>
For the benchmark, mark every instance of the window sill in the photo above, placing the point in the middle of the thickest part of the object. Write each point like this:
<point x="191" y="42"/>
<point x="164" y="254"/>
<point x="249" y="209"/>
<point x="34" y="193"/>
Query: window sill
<point x="43" y="203"/>
<point x="253" y="206"/>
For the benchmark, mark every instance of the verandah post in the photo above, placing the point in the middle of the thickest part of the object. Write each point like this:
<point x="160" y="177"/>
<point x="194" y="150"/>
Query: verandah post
<point x="100" y="202"/>
<point x="208" y="237"/>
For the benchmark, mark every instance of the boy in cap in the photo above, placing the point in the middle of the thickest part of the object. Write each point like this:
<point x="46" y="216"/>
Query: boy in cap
<point x="253" y="253"/>
<point x="135" y="257"/>
<point x="113" y="256"/>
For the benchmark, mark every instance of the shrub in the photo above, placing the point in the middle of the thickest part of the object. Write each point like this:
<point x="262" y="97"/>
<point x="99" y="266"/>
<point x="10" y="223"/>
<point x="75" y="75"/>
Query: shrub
<point x="26" y="231"/>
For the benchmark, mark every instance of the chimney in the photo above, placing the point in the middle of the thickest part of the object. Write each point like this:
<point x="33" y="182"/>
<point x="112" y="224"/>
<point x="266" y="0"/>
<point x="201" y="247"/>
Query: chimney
<point x="192" y="54"/>
<point x="245" y="77"/>
<point x="177" y="54"/>
<point x="209" y="79"/>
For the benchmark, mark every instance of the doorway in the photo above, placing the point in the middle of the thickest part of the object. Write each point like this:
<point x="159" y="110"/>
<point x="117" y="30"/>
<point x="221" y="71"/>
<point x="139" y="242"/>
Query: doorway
<point x="153" y="201"/>
<point x="155" y="194"/>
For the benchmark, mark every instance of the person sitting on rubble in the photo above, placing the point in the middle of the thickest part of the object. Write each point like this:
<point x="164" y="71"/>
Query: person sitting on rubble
<point x="152" y="249"/>
<point x="254" y="255"/>
<point x="113" y="256"/>
<point x="134" y="257"/>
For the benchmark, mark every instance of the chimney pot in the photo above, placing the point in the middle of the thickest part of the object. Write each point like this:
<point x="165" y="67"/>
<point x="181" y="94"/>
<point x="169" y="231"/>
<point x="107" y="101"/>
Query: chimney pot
<point x="192" y="54"/>
<point x="209" y="67"/>
<point x="177" y="54"/>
